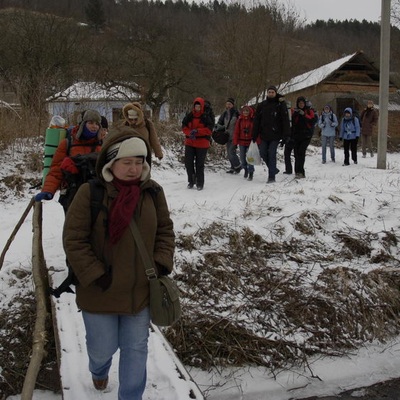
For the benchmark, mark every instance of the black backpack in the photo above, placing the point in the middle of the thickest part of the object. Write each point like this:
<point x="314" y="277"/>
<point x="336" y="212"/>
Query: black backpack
<point x="86" y="166"/>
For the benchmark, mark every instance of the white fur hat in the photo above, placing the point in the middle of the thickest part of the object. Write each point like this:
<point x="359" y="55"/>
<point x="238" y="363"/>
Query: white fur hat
<point x="132" y="147"/>
<point x="132" y="114"/>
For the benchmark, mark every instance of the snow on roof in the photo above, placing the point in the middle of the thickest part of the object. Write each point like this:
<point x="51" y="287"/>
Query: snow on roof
<point x="310" y="78"/>
<point x="313" y="77"/>
<point x="94" y="91"/>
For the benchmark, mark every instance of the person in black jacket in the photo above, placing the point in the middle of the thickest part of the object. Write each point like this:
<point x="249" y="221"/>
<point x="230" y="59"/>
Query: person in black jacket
<point x="271" y="125"/>
<point x="303" y="123"/>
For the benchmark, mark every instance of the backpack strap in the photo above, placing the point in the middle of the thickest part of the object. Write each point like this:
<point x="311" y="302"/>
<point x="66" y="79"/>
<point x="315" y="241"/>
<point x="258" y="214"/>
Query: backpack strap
<point x="96" y="200"/>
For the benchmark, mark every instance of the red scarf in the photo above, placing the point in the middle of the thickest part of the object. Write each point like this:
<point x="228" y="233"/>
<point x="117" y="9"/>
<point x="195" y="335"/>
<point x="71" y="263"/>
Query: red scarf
<point x="123" y="207"/>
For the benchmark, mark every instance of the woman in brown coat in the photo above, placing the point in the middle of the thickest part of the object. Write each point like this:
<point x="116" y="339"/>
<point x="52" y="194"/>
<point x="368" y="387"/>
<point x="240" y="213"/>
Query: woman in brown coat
<point x="113" y="290"/>
<point x="134" y="119"/>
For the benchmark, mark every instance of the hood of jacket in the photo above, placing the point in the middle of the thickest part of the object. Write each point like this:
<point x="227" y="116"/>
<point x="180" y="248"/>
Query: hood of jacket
<point x="113" y="138"/>
<point x="299" y="99"/>
<point x="349" y="110"/>
<point x="199" y="100"/>
<point x="251" y="112"/>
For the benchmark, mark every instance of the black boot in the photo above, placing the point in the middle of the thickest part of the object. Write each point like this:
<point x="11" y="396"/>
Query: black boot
<point x="246" y="173"/>
<point x="250" y="178"/>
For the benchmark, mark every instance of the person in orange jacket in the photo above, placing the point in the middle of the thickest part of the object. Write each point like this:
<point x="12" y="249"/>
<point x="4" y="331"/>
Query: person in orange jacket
<point x="85" y="138"/>
<point x="197" y="126"/>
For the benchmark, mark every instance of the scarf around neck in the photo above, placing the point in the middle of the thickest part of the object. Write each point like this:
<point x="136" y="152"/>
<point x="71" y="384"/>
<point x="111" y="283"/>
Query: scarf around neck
<point x="123" y="207"/>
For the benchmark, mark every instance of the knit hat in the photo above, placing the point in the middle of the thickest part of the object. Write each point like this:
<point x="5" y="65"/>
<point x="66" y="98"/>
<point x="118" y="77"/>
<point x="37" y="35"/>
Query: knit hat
<point x="132" y="147"/>
<point x="132" y="114"/>
<point x="231" y="100"/>
<point x="272" y="87"/>
<point x="89" y="115"/>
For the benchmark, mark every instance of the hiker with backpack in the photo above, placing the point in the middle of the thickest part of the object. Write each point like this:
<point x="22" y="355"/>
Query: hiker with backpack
<point x="84" y="138"/>
<point x="328" y="122"/>
<point x="113" y="289"/>
<point x="228" y="120"/>
<point x="349" y="132"/>
<point x="135" y="119"/>
<point x="197" y="127"/>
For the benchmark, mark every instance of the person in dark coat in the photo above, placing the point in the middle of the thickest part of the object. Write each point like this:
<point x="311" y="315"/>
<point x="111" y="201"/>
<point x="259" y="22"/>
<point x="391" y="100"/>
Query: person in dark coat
<point x="113" y="290"/>
<point x="303" y="122"/>
<point x="271" y="125"/>
<point x="228" y="120"/>
<point x="197" y="127"/>
<point x="368" y="119"/>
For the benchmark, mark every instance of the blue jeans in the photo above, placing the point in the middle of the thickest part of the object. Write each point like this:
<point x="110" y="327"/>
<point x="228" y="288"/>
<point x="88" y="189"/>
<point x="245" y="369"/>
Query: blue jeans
<point x="245" y="165"/>
<point x="268" y="154"/>
<point x="328" y="140"/>
<point x="105" y="333"/>
<point x="232" y="155"/>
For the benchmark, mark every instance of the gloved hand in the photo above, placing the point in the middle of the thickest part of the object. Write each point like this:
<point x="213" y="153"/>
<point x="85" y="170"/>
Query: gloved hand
<point x="301" y="112"/>
<point x="104" y="282"/>
<point x="193" y="134"/>
<point x="43" y="196"/>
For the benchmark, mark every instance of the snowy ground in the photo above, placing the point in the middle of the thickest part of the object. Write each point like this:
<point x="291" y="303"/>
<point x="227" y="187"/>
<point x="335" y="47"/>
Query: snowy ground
<point x="369" y="201"/>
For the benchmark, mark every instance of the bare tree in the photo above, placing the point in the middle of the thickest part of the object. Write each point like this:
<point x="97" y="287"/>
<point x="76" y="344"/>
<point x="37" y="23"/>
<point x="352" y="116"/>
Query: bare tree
<point x="38" y="54"/>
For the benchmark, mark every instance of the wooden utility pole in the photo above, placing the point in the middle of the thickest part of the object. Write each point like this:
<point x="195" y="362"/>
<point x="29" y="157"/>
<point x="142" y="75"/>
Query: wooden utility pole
<point x="384" y="84"/>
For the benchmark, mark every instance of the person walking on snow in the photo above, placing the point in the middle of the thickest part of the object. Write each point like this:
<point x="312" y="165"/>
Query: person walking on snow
<point x="271" y="125"/>
<point x="369" y="119"/>
<point x="228" y="120"/>
<point x="328" y="123"/>
<point x="197" y="127"/>
<point x="349" y="132"/>
<point x="242" y="136"/>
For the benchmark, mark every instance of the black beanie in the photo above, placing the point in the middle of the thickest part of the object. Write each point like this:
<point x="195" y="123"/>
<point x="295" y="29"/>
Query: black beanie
<point x="231" y="100"/>
<point x="272" y="87"/>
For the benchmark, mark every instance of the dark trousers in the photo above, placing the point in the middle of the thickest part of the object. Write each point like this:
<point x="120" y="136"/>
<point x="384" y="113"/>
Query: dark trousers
<point x="300" y="147"/>
<point x="268" y="154"/>
<point x="288" y="156"/>
<point x="352" y="146"/>
<point x="194" y="164"/>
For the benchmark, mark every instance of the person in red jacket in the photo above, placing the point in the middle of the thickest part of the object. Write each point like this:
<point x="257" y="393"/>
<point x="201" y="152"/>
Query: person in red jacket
<point x="242" y="136"/>
<point x="85" y="138"/>
<point x="197" y="126"/>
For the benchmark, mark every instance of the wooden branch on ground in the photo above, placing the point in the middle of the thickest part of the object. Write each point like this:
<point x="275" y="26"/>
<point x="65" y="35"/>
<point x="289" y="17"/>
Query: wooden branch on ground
<point x="41" y="290"/>
<point x="14" y="232"/>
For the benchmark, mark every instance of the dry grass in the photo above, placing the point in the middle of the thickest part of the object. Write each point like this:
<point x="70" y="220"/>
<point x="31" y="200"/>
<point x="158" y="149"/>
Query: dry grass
<point x="247" y="301"/>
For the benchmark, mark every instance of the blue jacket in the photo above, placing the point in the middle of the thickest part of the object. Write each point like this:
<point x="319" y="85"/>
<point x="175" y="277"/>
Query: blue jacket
<point x="349" y="127"/>
<point x="328" y="123"/>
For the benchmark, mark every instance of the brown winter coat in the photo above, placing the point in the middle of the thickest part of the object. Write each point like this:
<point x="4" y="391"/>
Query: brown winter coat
<point x="144" y="127"/>
<point x="369" y="118"/>
<point x="90" y="253"/>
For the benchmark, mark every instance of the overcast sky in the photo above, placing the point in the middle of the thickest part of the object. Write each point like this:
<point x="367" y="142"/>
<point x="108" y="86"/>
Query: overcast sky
<point x="338" y="9"/>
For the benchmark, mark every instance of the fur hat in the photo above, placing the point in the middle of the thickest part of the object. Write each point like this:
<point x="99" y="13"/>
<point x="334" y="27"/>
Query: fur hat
<point x="89" y="115"/>
<point x="132" y="114"/>
<point x="231" y="100"/>
<point x="132" y="147"/>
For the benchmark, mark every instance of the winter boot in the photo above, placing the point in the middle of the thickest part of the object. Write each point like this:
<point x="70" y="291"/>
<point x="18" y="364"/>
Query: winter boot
<point x="250" y="178"/>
